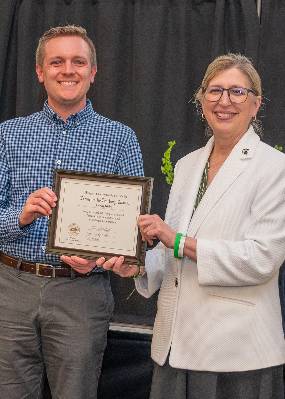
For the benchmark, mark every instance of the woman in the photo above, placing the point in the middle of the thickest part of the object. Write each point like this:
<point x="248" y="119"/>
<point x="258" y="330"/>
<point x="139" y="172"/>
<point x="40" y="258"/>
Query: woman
<point x="218" y="330"/>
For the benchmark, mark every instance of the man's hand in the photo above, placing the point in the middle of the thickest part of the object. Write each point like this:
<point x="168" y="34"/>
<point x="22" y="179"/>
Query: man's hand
<point x="80" y="265"/>
<point x="38" y="204"/>
<point x="117" y="265"/>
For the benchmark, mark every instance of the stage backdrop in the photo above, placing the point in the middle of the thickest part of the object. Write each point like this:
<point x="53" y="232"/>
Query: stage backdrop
<point x="152" y="55"/>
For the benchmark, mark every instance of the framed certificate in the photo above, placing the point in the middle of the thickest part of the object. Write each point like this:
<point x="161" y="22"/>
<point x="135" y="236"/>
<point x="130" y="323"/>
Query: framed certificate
<point x="96" y="215"/>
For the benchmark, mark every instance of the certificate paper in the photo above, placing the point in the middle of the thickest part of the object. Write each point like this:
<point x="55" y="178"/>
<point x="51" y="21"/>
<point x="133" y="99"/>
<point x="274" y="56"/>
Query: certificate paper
<point x="96" y="215"/>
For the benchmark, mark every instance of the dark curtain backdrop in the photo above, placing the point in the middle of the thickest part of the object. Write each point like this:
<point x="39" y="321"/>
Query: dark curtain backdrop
<point x="152" y="55"/>
<point x="271" y="65"/>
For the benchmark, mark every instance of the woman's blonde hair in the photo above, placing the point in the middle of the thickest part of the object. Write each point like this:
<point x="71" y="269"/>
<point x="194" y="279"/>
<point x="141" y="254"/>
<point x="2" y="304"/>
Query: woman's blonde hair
<point x="228" y="61"/>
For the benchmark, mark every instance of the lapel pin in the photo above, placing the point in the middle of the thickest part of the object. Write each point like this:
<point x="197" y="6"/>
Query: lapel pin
<point x="245" y="151"/>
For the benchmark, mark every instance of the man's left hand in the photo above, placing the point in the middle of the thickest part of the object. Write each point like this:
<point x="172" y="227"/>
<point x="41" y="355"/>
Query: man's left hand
<point x="80" y="265"/>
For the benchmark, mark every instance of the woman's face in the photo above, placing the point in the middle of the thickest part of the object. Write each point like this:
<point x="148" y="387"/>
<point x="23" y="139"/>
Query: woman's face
<point x="226" y="118"/>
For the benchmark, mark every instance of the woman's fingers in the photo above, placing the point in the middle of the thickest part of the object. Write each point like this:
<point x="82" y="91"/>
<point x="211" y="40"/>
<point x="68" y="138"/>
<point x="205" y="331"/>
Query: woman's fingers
<point x="116" y="265"/>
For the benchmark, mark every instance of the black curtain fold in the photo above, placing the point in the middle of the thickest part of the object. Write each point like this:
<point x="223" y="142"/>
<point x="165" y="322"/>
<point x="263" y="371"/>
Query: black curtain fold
<point x="271" y="67"/>
<point x="8" y="54"/>
<point x="7" y="18"/>
<point x="152" y="55"/>
<point x="236" y="28"/>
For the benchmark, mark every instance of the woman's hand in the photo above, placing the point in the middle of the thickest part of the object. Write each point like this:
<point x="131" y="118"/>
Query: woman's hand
<point x="152" y="227"/>
<point x="117" y="265"/>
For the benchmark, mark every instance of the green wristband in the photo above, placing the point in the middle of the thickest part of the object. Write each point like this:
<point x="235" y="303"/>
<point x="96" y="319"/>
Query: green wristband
<point x="176" y="245"/>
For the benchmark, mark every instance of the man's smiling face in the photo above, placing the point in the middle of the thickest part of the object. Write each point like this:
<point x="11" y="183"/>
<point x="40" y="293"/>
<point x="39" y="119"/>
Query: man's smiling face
<point x="66" y="72"/>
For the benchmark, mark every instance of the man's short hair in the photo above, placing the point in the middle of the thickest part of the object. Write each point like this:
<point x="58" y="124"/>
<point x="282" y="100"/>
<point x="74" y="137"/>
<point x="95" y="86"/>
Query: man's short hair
<point x="67" y="30"/>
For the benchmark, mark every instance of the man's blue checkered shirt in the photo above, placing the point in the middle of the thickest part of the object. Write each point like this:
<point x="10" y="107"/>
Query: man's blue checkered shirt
<point x="32" y="147"/>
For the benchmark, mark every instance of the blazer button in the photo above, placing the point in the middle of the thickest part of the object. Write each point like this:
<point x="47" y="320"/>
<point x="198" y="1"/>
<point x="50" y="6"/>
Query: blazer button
<point x="176" y="282"/>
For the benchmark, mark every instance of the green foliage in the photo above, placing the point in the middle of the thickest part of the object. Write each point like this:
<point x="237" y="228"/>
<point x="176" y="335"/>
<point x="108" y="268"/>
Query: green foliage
<point x="166" y="166"/>
<point x="279" y="147"/>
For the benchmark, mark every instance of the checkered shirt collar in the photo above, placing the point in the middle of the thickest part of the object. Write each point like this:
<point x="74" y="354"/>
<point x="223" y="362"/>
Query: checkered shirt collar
<point x="77" y="118"/>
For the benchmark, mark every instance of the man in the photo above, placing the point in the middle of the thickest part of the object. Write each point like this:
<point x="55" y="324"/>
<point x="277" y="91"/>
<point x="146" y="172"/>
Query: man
<point x="57" y="324"/>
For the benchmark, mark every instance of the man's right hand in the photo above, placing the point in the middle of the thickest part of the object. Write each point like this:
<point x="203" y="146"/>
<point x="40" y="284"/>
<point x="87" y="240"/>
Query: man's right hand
<point x="38" y="204"/>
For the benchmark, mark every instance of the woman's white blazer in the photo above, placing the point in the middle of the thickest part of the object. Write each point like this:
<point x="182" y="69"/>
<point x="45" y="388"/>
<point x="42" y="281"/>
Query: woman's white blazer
<point x="222" y="313"/>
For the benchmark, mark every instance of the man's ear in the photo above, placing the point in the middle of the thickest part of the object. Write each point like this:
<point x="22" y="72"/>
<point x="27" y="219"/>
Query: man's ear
<point x="40" y="74"/>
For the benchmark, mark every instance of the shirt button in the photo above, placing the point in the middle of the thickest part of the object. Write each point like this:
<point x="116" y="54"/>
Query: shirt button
<point x="43" y="248"/>
<point x="64" y="131"/>
<point x="58" y="162"/>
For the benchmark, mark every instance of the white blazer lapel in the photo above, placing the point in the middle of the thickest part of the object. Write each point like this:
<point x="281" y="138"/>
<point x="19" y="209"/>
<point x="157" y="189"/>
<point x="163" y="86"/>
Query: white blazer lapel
<point x="233" y="166"/>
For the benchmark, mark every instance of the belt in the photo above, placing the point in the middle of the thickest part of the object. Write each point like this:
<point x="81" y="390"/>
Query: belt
<point x="39" y="269"/>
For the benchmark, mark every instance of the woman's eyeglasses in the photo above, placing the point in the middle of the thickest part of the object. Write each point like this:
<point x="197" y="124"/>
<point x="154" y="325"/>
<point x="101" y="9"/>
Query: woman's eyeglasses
<point x="236" y="95"/>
